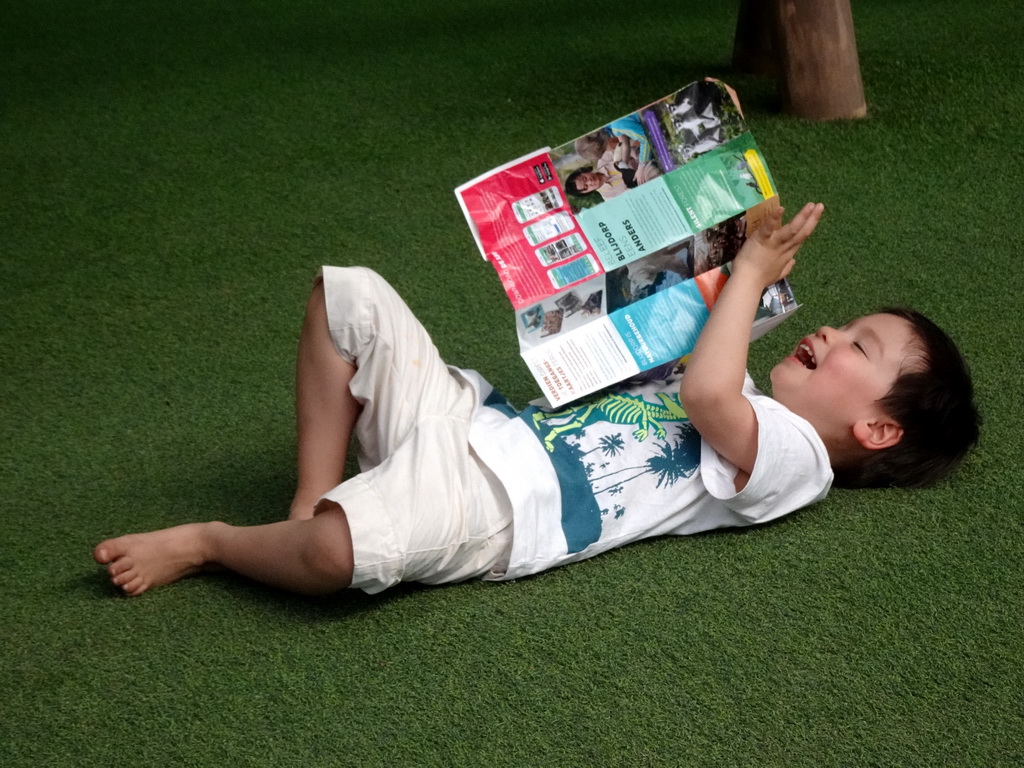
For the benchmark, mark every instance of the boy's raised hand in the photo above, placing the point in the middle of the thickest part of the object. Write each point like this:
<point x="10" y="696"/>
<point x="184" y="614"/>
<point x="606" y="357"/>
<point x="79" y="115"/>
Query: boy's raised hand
<point x="712" y="389"/>
<point x="769" y="253"/>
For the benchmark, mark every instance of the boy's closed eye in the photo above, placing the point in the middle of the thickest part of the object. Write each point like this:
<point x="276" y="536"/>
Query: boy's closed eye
<point x="871" y="339"/>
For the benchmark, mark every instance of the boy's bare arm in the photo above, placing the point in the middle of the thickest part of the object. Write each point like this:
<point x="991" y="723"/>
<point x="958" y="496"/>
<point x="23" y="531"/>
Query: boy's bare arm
<point x="711" y="390"/>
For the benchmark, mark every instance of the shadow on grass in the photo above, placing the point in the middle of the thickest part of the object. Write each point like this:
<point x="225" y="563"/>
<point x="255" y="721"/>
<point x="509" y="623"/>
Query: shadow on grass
<point x="314" y="610"/>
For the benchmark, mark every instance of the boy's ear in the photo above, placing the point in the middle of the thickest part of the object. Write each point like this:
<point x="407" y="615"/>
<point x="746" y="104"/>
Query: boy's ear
<point x="877" y="433"/>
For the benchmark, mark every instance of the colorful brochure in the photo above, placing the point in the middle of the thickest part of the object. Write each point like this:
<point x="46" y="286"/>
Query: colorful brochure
<point x="613" y="248"/>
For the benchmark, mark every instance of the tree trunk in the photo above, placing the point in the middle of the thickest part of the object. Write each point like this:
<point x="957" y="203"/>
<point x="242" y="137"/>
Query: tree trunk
<point x="752" y="48"/>
<point x="819" y="71"/>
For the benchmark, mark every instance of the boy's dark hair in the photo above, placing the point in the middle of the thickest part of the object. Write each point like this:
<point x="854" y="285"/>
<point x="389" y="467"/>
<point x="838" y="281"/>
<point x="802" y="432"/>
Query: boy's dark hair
<point x="935" y="406"/>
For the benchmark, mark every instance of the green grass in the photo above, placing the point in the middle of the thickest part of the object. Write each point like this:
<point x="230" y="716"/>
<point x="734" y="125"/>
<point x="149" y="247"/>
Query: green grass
<point x="171" y="175"/>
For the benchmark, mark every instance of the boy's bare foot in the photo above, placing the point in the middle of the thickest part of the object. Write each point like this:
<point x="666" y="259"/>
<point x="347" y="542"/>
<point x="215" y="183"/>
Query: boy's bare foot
<point x="139" y="561"/>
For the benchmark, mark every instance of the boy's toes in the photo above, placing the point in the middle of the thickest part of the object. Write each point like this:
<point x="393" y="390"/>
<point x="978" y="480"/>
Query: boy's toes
<point x="110" y="550"/>
<point x="135" y="586"/>
<point x="120" y="566"/>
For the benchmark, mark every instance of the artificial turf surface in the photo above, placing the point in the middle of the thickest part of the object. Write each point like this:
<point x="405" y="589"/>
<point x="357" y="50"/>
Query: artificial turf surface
<point x="171" y="176"/>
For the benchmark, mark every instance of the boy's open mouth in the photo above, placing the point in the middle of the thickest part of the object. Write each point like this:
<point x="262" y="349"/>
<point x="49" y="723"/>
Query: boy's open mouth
<point x="805" y="355"/>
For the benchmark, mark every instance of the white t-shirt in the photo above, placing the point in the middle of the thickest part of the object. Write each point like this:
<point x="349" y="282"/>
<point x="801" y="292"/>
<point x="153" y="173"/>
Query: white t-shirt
<point x="606" y="472"/>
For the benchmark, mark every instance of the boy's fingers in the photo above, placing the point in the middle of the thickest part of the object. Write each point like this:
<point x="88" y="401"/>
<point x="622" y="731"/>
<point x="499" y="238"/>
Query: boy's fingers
<point x="800" y="226"/>
<point x="802" y="216"/>
<point x="811" y="221"/>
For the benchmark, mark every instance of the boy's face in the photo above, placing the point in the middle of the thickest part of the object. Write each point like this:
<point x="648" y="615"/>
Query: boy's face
<point x="835" y="377"/>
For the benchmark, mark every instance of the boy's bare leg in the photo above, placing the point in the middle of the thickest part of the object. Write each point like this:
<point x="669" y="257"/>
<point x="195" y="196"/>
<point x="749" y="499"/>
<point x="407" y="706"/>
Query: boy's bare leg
<point x="307" y="556"/>
<point x="325" y="411"/>
<point x="302" y="554"/>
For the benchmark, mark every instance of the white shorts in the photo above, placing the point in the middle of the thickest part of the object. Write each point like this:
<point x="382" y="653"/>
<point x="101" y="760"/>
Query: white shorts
<point x="423" y="508"/>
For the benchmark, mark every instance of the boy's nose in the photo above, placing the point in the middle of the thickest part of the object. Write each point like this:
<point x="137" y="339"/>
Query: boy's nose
<point x="830" y="335"/>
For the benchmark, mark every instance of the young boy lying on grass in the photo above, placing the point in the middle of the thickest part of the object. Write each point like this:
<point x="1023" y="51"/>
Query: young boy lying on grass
<point x="457" y="485"/>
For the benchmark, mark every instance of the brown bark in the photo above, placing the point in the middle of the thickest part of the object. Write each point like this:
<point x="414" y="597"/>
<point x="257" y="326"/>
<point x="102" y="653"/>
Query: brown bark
<point x="819" y="70"/>
<point x="810" y="47"/>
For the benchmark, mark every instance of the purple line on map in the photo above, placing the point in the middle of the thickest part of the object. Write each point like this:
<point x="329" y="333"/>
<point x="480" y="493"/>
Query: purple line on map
<point x="654" y="133"/>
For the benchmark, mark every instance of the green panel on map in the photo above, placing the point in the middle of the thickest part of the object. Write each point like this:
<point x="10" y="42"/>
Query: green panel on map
<point x="722" y="183"/>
